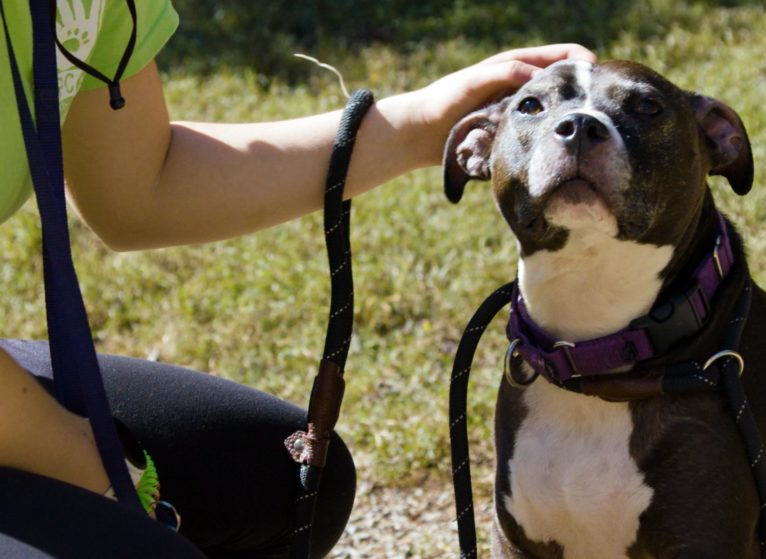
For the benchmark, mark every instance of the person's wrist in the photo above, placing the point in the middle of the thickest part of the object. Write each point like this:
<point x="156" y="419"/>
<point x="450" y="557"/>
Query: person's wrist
<point x="418" y="139"/>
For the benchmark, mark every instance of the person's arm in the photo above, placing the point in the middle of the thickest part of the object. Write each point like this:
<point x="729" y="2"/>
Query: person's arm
<point x="141" y="181"/>
<point x="40" y="436"/>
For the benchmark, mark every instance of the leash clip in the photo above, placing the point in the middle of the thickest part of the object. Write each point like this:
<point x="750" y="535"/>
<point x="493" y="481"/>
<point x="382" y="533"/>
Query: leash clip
<point x="508" y="369"/>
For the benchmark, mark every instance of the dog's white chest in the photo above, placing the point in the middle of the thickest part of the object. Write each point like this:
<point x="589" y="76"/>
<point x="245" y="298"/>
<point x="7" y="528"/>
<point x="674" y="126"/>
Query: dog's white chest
<point x="573" y="480"/>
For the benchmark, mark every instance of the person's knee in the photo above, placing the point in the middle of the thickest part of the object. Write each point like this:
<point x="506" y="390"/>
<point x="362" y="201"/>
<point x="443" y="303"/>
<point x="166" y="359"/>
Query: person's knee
<point x="335" y="499"/>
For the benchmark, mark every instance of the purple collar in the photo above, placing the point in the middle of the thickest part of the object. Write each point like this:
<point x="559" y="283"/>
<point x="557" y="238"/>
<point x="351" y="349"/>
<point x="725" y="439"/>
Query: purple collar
<point x="646" y="337"/>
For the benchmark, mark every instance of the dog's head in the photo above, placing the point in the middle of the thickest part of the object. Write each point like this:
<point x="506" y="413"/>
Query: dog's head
<point x="613" y="146"/>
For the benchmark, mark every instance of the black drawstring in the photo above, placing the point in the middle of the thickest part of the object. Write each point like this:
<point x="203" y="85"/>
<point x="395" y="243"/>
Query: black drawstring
<point x="116" y="100"/>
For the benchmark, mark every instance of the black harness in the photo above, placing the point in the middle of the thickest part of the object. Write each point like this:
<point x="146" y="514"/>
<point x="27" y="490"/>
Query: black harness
<point x="720" y="373"/>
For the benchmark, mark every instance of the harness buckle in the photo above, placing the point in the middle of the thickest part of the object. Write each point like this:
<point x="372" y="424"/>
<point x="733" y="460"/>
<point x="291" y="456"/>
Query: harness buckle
<point x="677" y="319"/>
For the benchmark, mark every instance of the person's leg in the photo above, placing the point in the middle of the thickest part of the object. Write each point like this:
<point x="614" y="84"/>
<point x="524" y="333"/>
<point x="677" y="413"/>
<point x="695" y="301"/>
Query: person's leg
<point x="218" y="447"/>
<point x="44" y="518"/>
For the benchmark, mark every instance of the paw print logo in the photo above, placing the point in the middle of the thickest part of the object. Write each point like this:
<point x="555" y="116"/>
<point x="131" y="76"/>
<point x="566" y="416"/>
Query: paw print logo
<point x="74" y="39"/>
<point x="77" y="23"/>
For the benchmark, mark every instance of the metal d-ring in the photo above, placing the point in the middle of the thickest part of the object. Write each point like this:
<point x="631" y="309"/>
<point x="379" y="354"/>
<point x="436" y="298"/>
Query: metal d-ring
<point x="726" y="353"/>
<point x="716" y="258"/>
<point x="513" y="353"/>
<point x="567" y="345"/>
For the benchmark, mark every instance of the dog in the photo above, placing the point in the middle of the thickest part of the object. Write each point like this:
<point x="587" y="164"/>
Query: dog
<point x="601" y="173"/>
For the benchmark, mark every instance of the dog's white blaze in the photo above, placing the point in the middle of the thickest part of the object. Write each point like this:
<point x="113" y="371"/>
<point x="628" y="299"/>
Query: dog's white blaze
<point x="541" y="168"/>
<point x="573" y="480"/>
<point x="583" y="74"/>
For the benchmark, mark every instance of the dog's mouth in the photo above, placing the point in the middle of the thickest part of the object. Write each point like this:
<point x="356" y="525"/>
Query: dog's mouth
<point x="577" y="190"/>
<point x="571" y="191"/>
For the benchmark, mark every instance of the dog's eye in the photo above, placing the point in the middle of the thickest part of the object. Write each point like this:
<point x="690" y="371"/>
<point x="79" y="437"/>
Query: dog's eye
<point x="648" y="106"/>
<point x="530" y="106"/>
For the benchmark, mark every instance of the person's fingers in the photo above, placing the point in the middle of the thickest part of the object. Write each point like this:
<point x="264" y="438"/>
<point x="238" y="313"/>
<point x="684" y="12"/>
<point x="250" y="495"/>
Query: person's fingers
<point x="513" y="74"/>
<point x="543" y="55"/>
<point x="487" y="82"/>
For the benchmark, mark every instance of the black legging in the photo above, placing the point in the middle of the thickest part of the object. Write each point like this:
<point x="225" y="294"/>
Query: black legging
<point x="218" y="450"/>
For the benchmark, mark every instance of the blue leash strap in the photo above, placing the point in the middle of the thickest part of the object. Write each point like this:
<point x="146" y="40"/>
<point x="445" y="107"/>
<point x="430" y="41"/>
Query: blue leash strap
<point x="77" y="376"/>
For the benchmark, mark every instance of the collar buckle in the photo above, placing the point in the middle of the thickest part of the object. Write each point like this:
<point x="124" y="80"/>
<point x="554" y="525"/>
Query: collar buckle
<point x="681" y="317"/>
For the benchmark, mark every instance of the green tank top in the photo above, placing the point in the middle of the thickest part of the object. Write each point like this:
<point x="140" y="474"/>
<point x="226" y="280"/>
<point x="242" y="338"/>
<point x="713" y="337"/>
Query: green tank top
<point x="95" y="31"/>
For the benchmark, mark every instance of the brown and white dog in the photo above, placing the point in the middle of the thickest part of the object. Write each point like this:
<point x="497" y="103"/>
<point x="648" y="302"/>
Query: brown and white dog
<point x="600" y="171"/>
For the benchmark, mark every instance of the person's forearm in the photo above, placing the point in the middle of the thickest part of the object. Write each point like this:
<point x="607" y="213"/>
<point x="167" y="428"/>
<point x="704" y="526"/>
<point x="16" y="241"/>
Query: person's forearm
<point x="39" y="436"/>
<point x="222" y="180"/>
<point x="217" y="180"/>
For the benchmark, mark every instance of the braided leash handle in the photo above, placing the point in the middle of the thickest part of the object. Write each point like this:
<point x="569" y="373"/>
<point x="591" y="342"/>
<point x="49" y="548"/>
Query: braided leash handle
<point x="337" y="215"/>
<point x="309" y="448"/>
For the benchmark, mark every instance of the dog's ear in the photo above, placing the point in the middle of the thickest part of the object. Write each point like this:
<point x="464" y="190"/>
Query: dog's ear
<point x="469" y="145"/>
<point x="727" y="142"/>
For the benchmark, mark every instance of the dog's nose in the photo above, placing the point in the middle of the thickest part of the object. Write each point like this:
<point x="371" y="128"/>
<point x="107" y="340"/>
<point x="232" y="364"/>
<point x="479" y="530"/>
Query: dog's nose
<point x="581" y="131"/>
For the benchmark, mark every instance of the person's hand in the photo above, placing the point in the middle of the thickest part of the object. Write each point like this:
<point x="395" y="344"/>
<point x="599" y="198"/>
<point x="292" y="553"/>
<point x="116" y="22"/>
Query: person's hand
<point x="440" y="105"/>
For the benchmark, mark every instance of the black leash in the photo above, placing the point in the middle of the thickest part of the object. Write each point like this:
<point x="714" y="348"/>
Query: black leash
<point x="458" y="414"/>
<point x="309" y="448"/>
<point x="721" y="373"/>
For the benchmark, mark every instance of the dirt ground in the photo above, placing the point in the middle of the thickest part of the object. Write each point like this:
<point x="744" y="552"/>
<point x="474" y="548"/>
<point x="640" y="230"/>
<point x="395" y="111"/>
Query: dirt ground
<point x="412" y="523"/>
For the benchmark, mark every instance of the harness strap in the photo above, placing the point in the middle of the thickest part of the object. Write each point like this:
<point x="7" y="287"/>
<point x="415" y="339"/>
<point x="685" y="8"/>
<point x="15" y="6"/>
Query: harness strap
<point x="309" y="448"/>
<point x="722" y="373"/>
<point x="77" y="376"/>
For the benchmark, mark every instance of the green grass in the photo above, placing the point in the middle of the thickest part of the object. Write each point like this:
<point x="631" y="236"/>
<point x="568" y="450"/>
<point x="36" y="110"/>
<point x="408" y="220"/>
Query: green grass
<point x="254" y="309"/>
